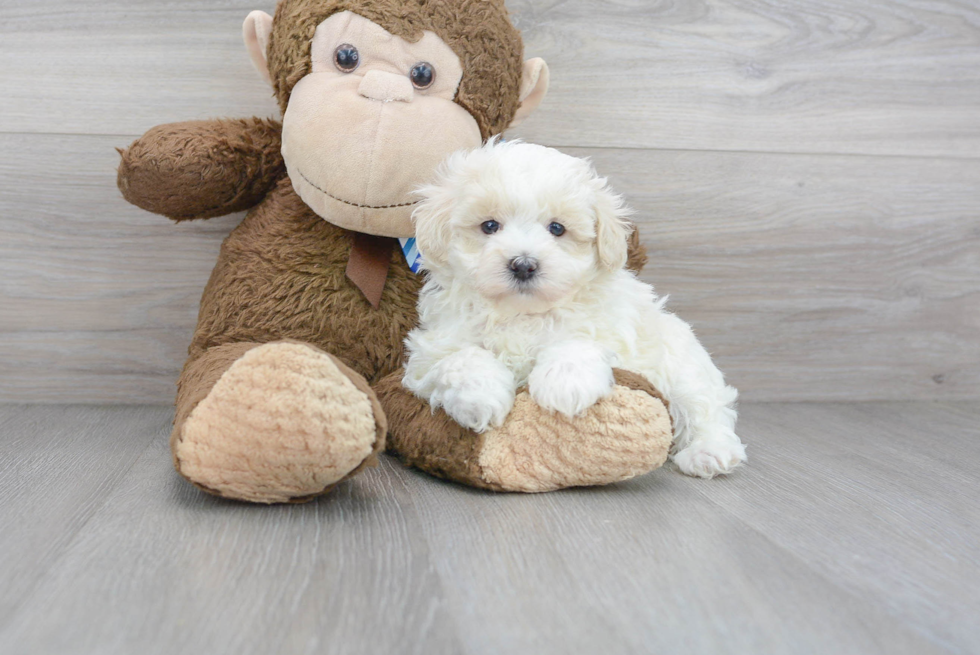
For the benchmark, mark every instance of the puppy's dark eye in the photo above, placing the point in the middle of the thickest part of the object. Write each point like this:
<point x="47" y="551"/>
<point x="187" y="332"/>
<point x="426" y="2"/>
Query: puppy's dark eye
<point x="346" y="57"/>
<point x="556" y="228"/>
<point x="490" y="227"/>
<point x="423" y="75"/>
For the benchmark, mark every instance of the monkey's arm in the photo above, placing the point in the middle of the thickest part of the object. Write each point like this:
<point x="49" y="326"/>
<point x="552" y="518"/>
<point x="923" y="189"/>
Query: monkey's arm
<point x="202" y="169"/>
<point x="637" y="257"/>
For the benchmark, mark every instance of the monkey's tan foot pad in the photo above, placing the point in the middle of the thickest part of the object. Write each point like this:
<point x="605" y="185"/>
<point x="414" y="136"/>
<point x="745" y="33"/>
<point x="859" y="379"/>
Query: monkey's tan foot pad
<point x="285" y="423"/>
<point x="627" y="434"/>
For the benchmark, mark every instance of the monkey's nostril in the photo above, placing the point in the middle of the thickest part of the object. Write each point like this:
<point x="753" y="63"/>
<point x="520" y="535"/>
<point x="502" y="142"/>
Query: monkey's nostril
<point x="523" y="268"/>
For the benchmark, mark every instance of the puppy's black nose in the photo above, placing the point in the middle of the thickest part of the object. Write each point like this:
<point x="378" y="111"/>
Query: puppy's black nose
<point x="523" y="268"/>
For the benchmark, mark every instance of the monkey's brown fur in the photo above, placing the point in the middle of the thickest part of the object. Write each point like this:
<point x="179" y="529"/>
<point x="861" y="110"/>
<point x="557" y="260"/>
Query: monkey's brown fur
<point x="203" y="169"/>
<point x="478" y="31"/>
<point x="281" y="273"/>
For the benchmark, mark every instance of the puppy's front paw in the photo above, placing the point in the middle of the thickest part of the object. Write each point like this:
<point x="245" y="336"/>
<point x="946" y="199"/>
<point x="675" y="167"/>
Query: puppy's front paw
<point x="706" y="459"/>
<point x="478" y="407"/>
<point x="570" y="386"/>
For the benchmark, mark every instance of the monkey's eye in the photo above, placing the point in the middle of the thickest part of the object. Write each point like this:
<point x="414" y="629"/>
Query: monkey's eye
<point x="423" y="75"/>
<point x="556" y="228"/>
<point x="490" y="227"/>
<point x="346" y="57"/>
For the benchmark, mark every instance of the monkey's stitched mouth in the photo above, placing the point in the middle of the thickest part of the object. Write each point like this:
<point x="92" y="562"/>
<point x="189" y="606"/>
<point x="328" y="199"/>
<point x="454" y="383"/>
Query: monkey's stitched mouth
<point x="354" y="204"/>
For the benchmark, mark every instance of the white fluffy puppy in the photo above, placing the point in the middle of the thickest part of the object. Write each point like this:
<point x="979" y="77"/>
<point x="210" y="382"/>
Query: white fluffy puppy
<point x="525" y="249"/>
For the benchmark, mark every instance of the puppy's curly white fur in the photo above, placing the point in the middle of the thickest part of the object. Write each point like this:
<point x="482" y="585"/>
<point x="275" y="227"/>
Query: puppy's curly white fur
<point x="525" y="249"/>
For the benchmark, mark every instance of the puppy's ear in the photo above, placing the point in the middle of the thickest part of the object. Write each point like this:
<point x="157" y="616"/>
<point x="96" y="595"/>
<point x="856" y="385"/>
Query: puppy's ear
<point x="432" y="226"/>
<point x="612" y="228"/>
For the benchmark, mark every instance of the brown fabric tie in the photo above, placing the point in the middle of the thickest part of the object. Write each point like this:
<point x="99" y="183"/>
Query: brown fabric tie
<point x="367" y="268"/>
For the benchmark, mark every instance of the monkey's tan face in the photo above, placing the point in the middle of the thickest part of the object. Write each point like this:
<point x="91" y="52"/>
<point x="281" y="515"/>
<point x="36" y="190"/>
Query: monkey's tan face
<point x="371" y="122"/>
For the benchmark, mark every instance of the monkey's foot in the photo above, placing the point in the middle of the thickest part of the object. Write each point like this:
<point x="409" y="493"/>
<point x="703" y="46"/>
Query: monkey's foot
<point x="622" y="436"/>
<point x="285" y="423"/>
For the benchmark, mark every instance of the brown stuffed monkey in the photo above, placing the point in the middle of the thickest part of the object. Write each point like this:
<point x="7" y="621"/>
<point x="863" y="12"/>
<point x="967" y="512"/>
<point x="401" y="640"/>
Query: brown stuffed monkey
<point x="293" y="378"/>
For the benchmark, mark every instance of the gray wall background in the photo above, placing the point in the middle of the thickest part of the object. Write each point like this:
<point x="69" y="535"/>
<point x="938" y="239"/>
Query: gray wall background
<point x="806" y="176"/>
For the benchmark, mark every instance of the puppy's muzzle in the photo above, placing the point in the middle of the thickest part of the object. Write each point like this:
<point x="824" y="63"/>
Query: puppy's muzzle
<point x="523" y="268"/>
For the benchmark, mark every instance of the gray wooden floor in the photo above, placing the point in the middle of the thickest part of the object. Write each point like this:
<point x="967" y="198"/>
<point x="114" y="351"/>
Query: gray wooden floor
<point x="853" y="530"/>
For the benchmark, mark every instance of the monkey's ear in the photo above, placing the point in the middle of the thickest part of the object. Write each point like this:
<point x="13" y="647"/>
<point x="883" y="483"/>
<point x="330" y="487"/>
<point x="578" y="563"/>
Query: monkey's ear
<point x="257" y="30"/>
<point x="534" y="87"/>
